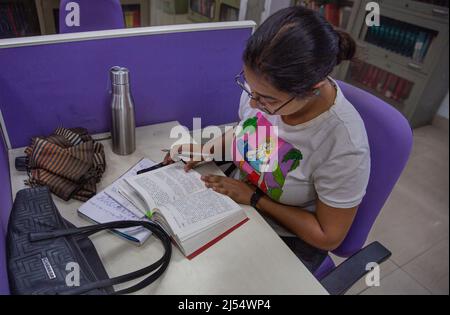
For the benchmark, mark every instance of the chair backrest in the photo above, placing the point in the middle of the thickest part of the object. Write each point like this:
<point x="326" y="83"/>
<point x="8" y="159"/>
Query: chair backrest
<point x="390" y="139"/>
<point x="93" y="15"/>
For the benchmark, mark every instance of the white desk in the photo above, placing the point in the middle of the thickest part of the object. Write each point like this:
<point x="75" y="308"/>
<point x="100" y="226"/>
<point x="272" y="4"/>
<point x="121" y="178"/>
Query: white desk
<point x="252" y="260"/>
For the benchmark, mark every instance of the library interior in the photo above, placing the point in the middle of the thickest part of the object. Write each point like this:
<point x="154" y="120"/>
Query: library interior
<point x="91" y="93"/>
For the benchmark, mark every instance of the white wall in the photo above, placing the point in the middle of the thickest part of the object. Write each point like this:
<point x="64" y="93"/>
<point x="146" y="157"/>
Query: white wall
<point x="443" y="111"/>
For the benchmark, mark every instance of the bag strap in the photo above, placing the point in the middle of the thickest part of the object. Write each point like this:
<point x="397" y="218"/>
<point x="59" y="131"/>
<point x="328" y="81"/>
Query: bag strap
<point x="160" y="266"/>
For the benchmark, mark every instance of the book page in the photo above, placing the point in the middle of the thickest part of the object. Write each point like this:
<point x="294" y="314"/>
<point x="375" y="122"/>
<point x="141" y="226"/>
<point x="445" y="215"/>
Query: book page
<point x="132" y="197"/>
<point x="197" y="211"/>
<point x="114" y="189"/>
<point x="166" y="185"/>
<point x="103" y="209"/>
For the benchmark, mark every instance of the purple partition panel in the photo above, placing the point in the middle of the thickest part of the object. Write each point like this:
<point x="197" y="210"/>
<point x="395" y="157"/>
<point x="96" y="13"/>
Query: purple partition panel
<point x="5" y="207"/>
<point x="174" y="76"/>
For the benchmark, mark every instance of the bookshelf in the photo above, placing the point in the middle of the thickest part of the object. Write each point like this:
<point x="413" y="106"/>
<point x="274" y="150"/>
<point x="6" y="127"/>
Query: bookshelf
<point x="18" y="18"/>
<point x="203" y="11"/>
<point x="341" y="14"/>
<point x="136" y="14"/>
<point x="405" y="60"/>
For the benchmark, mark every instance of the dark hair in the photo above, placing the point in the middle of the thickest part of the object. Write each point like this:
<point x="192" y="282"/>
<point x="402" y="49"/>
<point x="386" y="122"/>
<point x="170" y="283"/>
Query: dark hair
<point x="296" y="48"/>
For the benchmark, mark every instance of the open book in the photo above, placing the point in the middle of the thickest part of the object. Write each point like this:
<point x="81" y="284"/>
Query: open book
<point x="110" y="206"/>
<point x="194" y="216"/>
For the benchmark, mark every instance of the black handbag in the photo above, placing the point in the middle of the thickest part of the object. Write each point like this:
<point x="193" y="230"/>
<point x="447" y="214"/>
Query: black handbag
<point x="41" y="244"/>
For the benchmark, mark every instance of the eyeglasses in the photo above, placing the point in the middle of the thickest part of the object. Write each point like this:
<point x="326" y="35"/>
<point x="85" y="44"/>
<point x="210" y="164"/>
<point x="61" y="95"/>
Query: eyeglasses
<point x="240" y="81"/>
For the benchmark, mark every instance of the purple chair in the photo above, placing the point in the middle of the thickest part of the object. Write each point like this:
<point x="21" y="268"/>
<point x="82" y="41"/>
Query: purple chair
<point x="94" y="15"/>
<point x="390" y="139"/>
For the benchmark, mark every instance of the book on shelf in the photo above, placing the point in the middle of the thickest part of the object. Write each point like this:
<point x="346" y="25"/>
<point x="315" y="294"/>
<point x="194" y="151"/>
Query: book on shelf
<point x="402" y="38"/>
<point x="373" y="80"/>
<point x="398" y="90"/>
<point x="17" y="19"/>
<point x="406" y="91"/>
<point x="132" y="15"/>
<point x="194" y="216"/>
<point x="344" y="16"/>
<point x="338" y="14"/>
<point x="382" y="81"/>
<point x="228" y="13"/>
<point x="385" y="83"/>
<point x="332" y="13"/>
<point x="203" y="7"/>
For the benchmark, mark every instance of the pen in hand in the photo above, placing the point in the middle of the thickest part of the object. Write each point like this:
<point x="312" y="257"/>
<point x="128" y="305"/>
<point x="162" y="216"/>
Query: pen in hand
<point x="189" y="165"/>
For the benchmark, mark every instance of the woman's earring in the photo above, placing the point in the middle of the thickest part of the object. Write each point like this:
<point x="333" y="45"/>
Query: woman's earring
<point x="317" y="92"/>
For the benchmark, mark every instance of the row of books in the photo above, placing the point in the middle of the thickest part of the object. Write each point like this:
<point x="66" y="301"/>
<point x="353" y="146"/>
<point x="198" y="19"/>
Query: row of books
<point x="228" y="13"/>
<point x="16" y="20"/>
<point x="337" y="14"/>
<point x="204" y="7"/>
<point x="132" y="15"/>
<point x="404" y="39"/>
<point x="384" y="82"/>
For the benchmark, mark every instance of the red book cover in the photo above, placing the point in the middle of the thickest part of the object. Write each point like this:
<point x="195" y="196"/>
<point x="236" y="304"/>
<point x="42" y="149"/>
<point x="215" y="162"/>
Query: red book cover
<point x="379" y="78"/>
<point x="360" y="72"/>
<point x="406" y="91"/>
<point x="391" y="88"/>
<point x="368" y="75"/>
<point x="399" y="89"/>
<point x="382" y="80"/>
<point x="214" y="241"/>
<point x="387" y="84"/>
<point x="136" y="18"/>
<point x="11" y="19"/>
<point x="373" y="79"/>
<point x="332" y="13"/>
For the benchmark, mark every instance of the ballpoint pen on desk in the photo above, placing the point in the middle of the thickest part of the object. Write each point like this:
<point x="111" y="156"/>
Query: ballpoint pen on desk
<point x="181" y="155"/>
<point x="184" y="154"/>
<point x="153" y="168"/>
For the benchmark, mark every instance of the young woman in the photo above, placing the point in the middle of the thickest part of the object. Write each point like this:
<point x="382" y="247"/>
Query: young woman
<point x="309" y="177"/>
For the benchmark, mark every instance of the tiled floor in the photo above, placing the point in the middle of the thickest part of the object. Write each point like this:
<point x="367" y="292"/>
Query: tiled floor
<point x="414" y="223"/>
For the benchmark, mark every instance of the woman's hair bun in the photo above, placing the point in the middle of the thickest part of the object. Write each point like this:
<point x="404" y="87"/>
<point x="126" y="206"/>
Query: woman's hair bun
<point x="347" y="47"/>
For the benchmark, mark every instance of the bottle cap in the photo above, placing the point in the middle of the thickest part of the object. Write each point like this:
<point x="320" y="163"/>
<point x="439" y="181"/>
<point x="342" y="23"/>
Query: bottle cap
<point x="120" y="76"/>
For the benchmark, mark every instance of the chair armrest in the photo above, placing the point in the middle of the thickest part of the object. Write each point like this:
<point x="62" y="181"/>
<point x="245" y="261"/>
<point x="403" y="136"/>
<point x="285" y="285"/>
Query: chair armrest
<point x="341" y="279"/>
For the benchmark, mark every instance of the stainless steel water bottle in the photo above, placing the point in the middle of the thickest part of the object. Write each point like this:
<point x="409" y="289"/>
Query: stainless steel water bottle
<point x="123" y="116"/>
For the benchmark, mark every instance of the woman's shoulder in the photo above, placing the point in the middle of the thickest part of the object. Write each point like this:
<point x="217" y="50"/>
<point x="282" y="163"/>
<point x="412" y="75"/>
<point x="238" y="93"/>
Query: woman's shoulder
<point x="348" y="123"/>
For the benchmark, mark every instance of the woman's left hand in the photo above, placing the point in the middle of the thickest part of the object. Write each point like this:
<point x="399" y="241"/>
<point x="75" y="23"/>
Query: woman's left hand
<point x="235" y="189"/>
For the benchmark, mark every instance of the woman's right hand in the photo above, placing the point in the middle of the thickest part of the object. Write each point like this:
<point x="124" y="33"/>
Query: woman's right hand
<point x="193" y="149"/>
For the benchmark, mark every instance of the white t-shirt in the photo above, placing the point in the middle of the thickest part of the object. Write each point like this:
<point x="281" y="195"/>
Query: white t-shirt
<point x="326" y="158"/>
